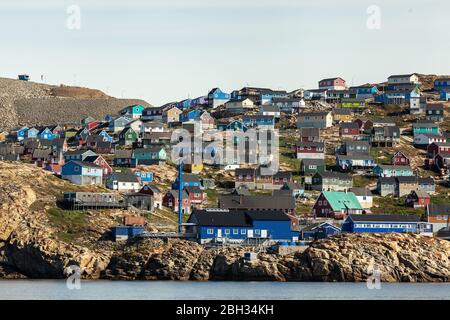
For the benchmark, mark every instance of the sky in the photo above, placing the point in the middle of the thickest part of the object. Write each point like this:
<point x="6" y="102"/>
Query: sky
<point x="169" y="50"/>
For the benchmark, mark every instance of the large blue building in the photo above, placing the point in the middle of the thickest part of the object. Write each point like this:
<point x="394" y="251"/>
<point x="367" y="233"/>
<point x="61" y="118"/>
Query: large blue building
<point x="398" y="96"/>
<point x="442" y="84"/>
<point x="385" y="223"/>
<point x="239" y="225"/>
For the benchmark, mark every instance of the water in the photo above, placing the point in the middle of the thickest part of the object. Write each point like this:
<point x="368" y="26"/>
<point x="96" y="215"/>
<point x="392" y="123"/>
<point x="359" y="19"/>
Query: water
<point x="154" y="290"/>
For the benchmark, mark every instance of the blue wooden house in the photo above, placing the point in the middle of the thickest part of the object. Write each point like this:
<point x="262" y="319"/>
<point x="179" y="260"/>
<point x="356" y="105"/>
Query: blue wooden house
<point x="365" y="92"/>
<point x="217" y="97"/>
<point x="319" y="231"/>
<point x="189" y="180"/>
<point x="445" y="95"/>
<point x="32" y="133"/>
<point x="442" y="84"/>
<point x="259" y="121"/>
<point x="46" y="134"/>
<point x="22" y="133"/>
<point x="144" y="177"/>
<point x="386" y="223"/>
<point x="190" y="115"/>
<point x="223" y="225"/>
<point x="82" y="173"/>
<point x="123" y="233"/>
<point x="398" y="96"/>
<point x="105" y="135"/>
<point x="184" y="104"/>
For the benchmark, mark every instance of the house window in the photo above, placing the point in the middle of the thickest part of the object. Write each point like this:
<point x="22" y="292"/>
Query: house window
<point x="243" y="231"/>
<point x="210" y="231"/>
<point x="227" y="231"/>
<point x="257" y="232"/>
<point x="235" y="231"/>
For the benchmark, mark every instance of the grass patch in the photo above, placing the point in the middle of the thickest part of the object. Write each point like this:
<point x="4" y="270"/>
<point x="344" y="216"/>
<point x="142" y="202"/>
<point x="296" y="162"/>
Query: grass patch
<point x="213" y="197"/>
<point x="391" y="205"/>
<point x="71" y="224"/>
<point x="362" y="181"/>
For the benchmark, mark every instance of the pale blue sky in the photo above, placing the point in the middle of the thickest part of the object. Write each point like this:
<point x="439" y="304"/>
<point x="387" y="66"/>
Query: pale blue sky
<point x="163" y="51"/>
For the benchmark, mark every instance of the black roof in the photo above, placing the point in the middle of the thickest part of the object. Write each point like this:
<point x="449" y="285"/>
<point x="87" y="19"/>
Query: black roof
<point x="124" y="176"/>
<point x="438" y="209"/>
<point x="256" y="202"/>
<point x="384" y="217"/>
<point x="234" y="218"/>
<point x="245" y="171"/>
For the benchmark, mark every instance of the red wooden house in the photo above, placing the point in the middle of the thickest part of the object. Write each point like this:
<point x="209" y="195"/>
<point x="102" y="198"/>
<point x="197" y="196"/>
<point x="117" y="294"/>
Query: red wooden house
<point x="155" y="193"/>
<point x="348" y="129"/>
<point x="170" y="200"/>
<point x="195" y="194"/>
<point x="310" y="150"/>
<point x="101" y="162"/>
<point x="92" y="125"/>
<point x="309" y="135"/>
<point x="438" y="147"/>
<point x="399" y="159"/>
<point x="417" y="199"/>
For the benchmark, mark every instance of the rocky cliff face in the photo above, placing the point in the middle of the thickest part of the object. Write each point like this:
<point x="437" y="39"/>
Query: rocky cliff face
<point x="38" y="243"/>
<point x="29" y="103"/>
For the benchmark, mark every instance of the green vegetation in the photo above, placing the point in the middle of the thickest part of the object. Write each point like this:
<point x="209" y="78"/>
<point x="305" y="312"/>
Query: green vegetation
<point x="381" y="155"/>
<point x="213" y="196"/>
<point x="71" y="224"/>
<point x="303" y="209"/>
<point x="363" y="181"/>
<point x="391" y="205"/>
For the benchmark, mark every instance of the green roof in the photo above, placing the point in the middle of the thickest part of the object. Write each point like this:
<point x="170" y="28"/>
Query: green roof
<point x="342" y="200"/>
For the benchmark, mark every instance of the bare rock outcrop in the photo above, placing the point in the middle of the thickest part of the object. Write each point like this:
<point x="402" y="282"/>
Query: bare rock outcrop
<point x="38" y="243"/>
<point x="30" y="103"/>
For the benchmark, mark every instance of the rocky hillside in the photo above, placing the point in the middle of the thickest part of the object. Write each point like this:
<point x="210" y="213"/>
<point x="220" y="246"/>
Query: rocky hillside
<point x="30" y="103"/>
<point x="38" y="240"/>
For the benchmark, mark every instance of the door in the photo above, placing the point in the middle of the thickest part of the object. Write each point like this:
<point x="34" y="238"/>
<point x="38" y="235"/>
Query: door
<point x="250" y="234"/>
<point x="219" y="233"/>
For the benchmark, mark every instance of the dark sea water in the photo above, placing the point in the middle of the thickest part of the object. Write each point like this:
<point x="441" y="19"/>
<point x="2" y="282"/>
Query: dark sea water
<point x="154" y="290"/>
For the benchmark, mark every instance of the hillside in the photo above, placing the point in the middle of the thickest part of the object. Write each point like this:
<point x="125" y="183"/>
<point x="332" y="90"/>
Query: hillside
<point x="38" y="240"/>
<point x="29" y="103"/>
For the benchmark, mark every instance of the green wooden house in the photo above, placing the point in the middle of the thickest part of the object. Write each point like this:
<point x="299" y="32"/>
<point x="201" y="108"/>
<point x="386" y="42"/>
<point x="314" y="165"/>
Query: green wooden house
<point x="425" y="127"/>
<point x="128" y="136"/>
<point x="309" y="167"/>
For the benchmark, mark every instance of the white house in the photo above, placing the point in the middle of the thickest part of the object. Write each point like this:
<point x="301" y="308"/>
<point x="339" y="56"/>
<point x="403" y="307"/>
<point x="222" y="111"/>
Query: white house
<point x="364" y="196"/>
<point x="136" y="125"/>
<point x="425" y="139"/>
<point x="148" y="127"/>
<point x="122" y="181"/>
<point x="403" y="79"/>
<point x="239" y="105"/>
